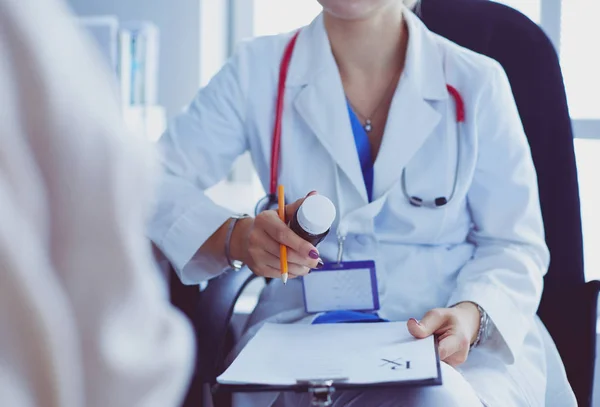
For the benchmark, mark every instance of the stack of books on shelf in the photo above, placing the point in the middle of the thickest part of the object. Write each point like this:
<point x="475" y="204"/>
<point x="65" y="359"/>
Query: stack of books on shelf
<point x="131" y="49"/>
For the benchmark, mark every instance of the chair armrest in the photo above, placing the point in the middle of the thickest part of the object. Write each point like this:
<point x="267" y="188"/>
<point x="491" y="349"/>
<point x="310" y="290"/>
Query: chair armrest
<point x="570" y="314"/>
<point x="212" y="320"/>
<point x="593" y="289"/>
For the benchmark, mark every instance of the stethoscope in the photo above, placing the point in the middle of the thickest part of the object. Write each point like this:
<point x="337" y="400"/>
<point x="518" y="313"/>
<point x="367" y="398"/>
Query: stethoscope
<point x="270" y="200"/>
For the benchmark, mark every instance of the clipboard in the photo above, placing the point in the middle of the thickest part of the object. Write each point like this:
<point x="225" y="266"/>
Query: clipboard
<point x="322" y="388"/>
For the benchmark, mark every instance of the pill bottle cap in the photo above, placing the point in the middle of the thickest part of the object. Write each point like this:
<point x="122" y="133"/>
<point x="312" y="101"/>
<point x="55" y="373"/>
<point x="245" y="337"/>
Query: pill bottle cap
<point x="316" y="214"/>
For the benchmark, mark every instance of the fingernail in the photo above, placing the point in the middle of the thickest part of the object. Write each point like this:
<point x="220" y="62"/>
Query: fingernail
<point x="320" y="264"/>
<point x="313" y="254"/>
<point x="416" y="321"/>
<point x="311" y="192"/>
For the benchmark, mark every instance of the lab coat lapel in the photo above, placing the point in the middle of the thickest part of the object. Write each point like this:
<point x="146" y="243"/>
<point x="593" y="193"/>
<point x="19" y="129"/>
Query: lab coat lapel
<point x="411" y="122"/>
<point x="321" y="101"/>
<point x="413" y="116"/>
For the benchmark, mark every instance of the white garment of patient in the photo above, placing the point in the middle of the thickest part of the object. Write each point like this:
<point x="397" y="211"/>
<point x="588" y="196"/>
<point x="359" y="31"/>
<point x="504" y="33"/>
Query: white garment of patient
<point x="84" y="315"/>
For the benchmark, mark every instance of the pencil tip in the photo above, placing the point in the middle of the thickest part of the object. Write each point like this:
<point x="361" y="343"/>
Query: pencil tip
<point x="284" y="278"/>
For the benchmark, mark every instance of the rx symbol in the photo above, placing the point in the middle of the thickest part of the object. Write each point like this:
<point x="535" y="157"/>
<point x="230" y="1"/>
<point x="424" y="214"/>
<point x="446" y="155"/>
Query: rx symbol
<point x="396" y="364"/>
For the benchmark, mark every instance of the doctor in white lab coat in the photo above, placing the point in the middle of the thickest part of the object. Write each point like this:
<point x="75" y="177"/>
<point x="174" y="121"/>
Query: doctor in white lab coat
<point x="480" y="256"/>
<point x="85" y="318"/>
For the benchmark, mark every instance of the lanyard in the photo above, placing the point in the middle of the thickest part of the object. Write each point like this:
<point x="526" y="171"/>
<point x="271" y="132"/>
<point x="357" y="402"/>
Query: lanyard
<point x="363" y="147"/>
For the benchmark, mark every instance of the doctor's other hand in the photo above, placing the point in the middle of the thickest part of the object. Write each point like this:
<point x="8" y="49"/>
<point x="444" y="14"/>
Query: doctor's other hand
<point x="456" y="328"/>
<point x="256" y="242"/>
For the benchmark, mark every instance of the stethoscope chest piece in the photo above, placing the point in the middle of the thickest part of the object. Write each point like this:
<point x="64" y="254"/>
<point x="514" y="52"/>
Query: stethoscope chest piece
<point x="437" y="202"/>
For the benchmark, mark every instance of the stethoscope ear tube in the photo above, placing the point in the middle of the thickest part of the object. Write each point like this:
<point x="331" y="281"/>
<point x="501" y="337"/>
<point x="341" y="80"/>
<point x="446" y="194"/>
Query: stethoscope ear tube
<point x="442" y="200"/>
<point x="271" y="198"/>
<point x="268" y="202"/>
<point x="275" y="146"/>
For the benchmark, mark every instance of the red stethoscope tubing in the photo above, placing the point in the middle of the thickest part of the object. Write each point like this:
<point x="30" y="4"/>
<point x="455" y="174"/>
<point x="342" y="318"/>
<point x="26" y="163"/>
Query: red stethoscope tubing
<point x="283" y="71"/>
<point x="275" y="147"/>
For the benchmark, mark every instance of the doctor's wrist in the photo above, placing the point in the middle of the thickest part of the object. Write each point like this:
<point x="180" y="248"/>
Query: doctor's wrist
<point x="471" y="317"/>
<point x="238" y="245"/>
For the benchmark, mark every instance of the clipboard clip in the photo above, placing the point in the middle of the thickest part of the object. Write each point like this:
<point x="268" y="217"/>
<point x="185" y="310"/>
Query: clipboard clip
<point x="321" y="390"/>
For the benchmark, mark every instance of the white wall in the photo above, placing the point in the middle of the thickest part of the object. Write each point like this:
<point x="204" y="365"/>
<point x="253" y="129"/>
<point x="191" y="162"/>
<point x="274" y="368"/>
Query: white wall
<point x="179" y="23"/>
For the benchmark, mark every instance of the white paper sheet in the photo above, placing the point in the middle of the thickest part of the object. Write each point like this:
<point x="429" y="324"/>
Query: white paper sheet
<point x="362" y="353"/>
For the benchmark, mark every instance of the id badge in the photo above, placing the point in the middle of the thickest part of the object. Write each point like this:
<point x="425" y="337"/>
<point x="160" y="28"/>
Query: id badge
<point x="348" y="286"/>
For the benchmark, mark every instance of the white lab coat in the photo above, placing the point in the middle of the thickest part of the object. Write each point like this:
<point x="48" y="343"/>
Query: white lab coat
<point x="486" y="246"/>
<point x="84" y="315"/>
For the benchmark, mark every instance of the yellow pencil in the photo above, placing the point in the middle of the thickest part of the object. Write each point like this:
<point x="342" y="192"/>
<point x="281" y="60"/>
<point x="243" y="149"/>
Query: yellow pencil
<point x="282" y="248"/>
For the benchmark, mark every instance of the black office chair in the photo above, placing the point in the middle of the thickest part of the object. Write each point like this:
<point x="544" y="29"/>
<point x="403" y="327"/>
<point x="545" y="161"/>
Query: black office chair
<point x="186" y="297"/>
<point x="568" y="307"/>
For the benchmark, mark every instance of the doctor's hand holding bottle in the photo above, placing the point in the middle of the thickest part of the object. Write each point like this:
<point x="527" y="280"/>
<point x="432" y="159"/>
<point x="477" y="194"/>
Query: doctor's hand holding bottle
<point x="256" y="241"/>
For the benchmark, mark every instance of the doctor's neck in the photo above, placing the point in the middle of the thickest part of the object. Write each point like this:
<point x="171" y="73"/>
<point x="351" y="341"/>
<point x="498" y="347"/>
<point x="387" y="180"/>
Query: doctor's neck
<point x="371" y="45"/>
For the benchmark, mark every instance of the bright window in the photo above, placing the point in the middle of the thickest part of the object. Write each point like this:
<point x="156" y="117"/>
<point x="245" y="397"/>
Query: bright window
<point x="580" y="57"/>
<point x="587" y="153"/>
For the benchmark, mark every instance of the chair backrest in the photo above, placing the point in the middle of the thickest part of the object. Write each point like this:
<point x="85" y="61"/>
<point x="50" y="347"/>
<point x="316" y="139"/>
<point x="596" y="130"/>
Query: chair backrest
<point x="531" y="64"/>
<point x="210" y="313"/>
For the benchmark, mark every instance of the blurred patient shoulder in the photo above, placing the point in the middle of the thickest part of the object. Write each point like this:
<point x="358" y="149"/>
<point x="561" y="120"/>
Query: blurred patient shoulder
<point x="84" y="315"/>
